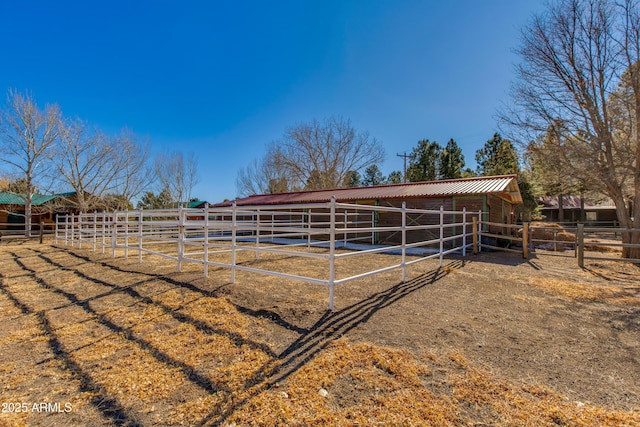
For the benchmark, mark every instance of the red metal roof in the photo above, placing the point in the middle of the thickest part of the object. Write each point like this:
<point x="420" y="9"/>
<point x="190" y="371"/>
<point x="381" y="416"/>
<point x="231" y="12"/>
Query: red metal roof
<point x="505" y="185"/>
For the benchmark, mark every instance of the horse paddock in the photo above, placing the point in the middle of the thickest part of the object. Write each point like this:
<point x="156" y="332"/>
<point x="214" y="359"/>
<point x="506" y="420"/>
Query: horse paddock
<point x="488" y="339"/>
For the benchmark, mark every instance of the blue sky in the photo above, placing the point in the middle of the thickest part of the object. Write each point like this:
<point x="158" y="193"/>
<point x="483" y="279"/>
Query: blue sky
<point x="223" y="79"/>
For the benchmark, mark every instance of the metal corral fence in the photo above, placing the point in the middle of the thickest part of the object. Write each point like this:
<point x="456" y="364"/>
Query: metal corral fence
<point x="574" y="241"/>
<point x="218" y="236"/>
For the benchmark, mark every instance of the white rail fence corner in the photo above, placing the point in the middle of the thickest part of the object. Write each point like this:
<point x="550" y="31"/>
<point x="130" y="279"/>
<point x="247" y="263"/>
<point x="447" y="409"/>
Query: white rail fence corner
<point x="322" y="232"/>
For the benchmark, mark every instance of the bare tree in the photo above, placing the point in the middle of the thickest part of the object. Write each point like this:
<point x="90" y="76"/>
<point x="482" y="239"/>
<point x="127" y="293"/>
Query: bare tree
<point x="27" y="134"/>
<point x="97" y="166"/>
<point x="261" y="177"/>
<point x="320" y="155"/>
<point x="579" y="60"/>
<point x="178" y="174"/>
<point x="136" y="174"/>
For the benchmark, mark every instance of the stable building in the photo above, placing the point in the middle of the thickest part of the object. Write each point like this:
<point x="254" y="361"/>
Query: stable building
<point x="495" y="196"/>
<point x="44" y="208"/>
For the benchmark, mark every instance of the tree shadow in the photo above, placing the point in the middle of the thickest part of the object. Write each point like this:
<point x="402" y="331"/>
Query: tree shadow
<point x="330" y="326"/>
<point x="101" y="400"/>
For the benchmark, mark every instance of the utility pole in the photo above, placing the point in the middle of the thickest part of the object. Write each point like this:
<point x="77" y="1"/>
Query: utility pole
<point x="405" y="156"/>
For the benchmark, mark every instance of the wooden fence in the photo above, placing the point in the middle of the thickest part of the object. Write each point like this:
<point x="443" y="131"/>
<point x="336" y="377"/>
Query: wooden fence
<point x="583" y="241"/>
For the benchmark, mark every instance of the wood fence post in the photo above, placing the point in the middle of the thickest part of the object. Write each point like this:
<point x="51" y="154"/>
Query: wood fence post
<point x="41" y="231"/>
<point x="474" y="234"/>
<point x="525" y="240"/>
<point x="580" y="245"/>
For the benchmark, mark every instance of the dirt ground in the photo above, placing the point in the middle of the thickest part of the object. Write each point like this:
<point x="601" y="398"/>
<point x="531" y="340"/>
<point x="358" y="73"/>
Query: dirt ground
<point x="124" y="343"/>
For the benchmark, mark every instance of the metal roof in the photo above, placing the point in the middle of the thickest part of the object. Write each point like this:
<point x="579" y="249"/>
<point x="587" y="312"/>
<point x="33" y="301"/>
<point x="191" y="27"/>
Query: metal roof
<point x="36" y="199"/>
<point x="574" y="202"/>
<point x="505" y="186"/>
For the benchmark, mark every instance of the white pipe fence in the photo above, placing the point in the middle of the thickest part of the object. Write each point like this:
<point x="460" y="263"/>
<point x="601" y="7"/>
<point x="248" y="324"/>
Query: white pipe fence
<point x="217" y="236"/>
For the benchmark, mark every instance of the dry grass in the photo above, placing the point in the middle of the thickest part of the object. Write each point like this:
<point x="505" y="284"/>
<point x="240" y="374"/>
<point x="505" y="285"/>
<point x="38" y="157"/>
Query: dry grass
<point x="528" y="404"/>
<point x="571" y="290"/>
<point x="155" y="353"/>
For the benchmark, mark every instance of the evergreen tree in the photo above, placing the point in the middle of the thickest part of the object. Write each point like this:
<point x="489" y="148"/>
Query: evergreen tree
<point x="451" y="161"/>
<point x="425" y="161"/>
<point x="497" y="157"/>
<point x="394" y="177"/>
<point x="152" y="201"/>
<point x="372" y="176"/>
<point x="352" y="179"/>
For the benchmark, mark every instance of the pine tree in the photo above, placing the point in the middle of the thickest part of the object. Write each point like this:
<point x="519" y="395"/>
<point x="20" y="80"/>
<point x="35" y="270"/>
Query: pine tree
<point x="451" y="161"/>
<point x="497" y="157"/>
<point x="425" y="161"/>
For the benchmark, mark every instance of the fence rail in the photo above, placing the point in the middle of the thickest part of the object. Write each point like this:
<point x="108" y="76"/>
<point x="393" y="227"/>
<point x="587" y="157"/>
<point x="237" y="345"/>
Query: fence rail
<point x="579" y="238"/>
<point x="319" y="232"/>
<point x="219" y="236"/>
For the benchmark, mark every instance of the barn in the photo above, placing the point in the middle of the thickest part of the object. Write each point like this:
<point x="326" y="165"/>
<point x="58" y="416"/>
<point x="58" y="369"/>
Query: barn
<point x="577" y="209"/>
<point x="44" y="209"/>
<point x="495" y="196"/>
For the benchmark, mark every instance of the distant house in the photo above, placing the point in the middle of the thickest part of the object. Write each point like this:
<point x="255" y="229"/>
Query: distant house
<point x="194" y="204"/>
<point x="577" y="209"/>
<point x="44" y="208"/>
<point x="496" y="196"/>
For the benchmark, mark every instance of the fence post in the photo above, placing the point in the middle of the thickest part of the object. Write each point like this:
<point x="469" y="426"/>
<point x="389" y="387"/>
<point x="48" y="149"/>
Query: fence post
<point x="95" y="230"/>
<point x="126" y="234"/>
<point x="104" y="230"/>
<point x="41" y="231"/>
<point x="332" y="251"/>
<point x="525" y="240"/>
<point x="114" y="233"/>
<point x="474" y="235"/>
<point x="80" y="229"/>
<point x="258" y="232"/>
<point x="58" y="223"/>
<point x="580" y="245"/>
<point x="73" y="224"/>
<point x="140" y="236"/>
<point x="480" y="231"/>
<point x="404" y="241"/>
<point x="206" y="240"/>
<point x="180" y="236"/>
<point x="233" y="241"/>
<point x="441" y="233"/>
<point x="309" y="230"/>
<point x="464" y="231"/>
<point x="373" y="224"/>
<point x="344" y="237"/>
